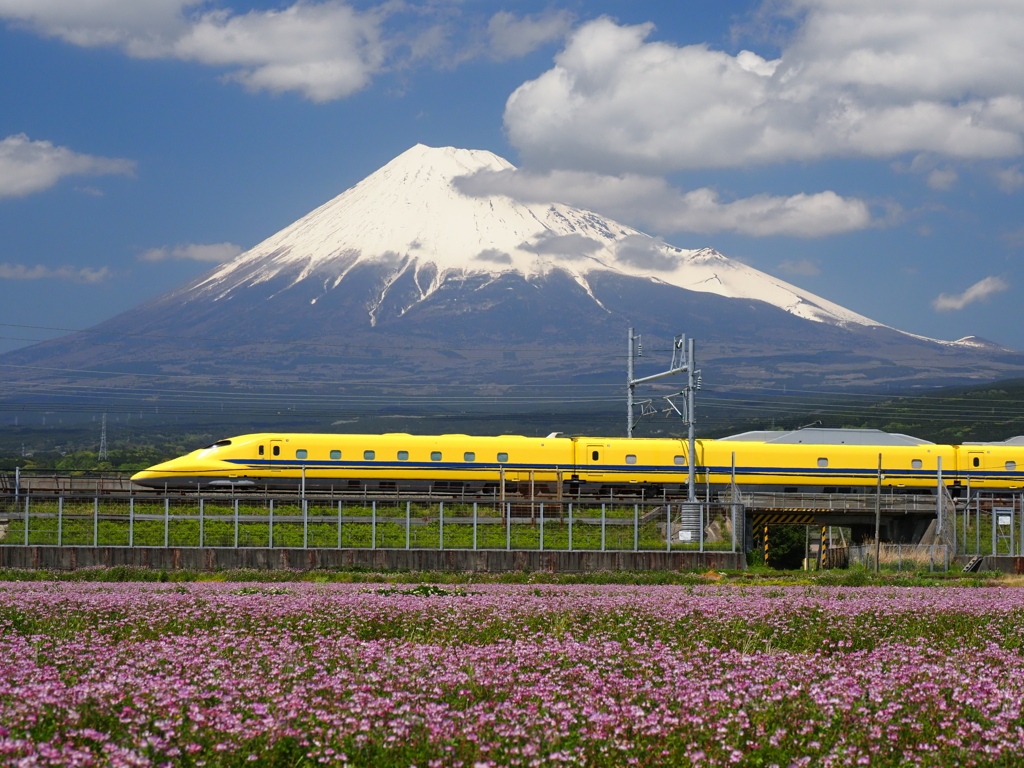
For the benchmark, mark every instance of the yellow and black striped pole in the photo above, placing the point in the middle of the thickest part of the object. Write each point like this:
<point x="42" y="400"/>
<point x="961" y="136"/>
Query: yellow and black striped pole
<point x="766" y="544"/>
<point x="822" y="547"/>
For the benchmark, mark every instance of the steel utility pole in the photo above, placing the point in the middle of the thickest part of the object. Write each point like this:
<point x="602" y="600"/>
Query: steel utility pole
<point x="102" y="454"/>
<point x="683" y="361"/>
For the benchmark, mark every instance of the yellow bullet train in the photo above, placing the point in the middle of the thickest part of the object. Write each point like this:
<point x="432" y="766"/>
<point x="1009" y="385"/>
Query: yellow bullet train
<point x="807" y="460"/>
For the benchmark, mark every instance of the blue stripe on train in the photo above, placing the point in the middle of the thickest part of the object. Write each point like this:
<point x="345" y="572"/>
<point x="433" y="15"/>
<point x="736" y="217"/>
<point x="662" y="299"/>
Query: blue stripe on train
<point x="825" y="474"/>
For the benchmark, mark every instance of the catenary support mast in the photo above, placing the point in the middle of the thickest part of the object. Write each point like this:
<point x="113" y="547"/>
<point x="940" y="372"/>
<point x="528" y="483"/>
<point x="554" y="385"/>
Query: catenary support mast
<point x="683" y="361"/>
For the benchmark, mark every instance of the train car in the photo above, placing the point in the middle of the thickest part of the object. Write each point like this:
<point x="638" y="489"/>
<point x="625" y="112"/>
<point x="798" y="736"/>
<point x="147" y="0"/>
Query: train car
<point x="809" y="460"/>
<point x="992" y="465"/>
<point x="394" y="461"/>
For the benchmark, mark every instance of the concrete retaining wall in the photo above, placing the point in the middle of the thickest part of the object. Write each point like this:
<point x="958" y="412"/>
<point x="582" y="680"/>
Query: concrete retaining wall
<point x="1001" y="563"/>
<point x="210" y="559"/>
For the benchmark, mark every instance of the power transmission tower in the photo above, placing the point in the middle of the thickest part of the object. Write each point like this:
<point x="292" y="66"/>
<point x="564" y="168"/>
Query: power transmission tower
<point x="102" y="455"/>
<point x="683" y="361"/>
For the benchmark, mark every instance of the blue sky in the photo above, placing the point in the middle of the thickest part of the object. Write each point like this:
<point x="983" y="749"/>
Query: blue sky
<point x="869" y="151"/>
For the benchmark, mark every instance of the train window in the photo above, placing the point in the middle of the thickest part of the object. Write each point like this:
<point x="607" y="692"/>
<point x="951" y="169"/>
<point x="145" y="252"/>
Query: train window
<point x="435" y="455"/>
<point x="368" y="455"/>
<point x="469" y="456"/>
<point x="916" y="464"/>
<point x="301" y="453"/>
<point x="977" y="461"/>
<point x="261" y="450"/>
<point x="277" y="450"/>
<point x="680" y="460"/>
<point x="630" y="458"/>
<point x="822" y="462"/>
<point x="403" y="455"/>
<point x="335" y="455"/>
<point x="1011" y="465"/>
<point x="595" y="456"/>
<point x="502" y="457"/>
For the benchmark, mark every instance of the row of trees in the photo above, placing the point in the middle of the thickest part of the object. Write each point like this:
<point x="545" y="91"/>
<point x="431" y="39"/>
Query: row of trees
<point x="118" y="460"/>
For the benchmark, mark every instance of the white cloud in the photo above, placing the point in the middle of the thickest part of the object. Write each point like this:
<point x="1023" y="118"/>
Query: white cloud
<point x="652" y="201"/>
<point x="324" y="50"/>
<point x="39" y="272"/>
<point x="28" y="166"/>
<point x="980" y="291"/>
<point x="1009" y="179"/>
<point x="101" y="22"/>
<point x="216" y="253"/>
<point x="942" y="179"/>
<point x="510" y="36"/>
<point x="858" y="78"/>
<point x="802" y="267"/>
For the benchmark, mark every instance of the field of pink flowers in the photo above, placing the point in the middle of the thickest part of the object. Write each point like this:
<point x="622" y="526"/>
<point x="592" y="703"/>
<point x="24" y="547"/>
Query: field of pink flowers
<point x="494" y="675"/>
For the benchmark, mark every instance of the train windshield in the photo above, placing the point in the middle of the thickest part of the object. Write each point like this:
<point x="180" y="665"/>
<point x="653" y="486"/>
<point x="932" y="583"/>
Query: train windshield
<point x="218" y="444"/>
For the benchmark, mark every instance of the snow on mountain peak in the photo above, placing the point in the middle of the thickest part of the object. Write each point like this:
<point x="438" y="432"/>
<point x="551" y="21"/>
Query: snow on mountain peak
<point x="410" y="215"/>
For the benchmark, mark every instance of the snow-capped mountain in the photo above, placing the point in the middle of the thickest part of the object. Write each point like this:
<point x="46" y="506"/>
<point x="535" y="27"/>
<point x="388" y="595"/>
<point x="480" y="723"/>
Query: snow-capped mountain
<point x="404" y="278"/>
<point x="410" y="220"/>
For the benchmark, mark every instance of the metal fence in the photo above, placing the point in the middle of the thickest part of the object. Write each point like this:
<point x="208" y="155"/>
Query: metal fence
<point x="987" y="524"/>
<point x="397" y="523"/>
<point x="901" y="557"/>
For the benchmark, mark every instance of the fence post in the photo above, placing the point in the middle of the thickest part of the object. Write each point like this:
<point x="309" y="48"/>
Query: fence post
<point x="508" y="525"/>
<point x="408" y="524"/>
<point x="700" y="547"/>
<point x="339" y="524"/>
<point x="570" y="526"/>
<point x="26" y="520"/>
<point x="270" y="530"/>
<point x="305" y="513"/>
<point x="440" y="525"/>
<point x="542" y="526"/>
<point x="236" y="523"/>
<point x="636" y="527"/>
<point x="201" y="521"/>
<point x="373" y="525"/>
<point x="994" y="515"/>
<point x="60" y="521"/>
<point x="167" y="522"/>
<point x="474" y="524"/>
<point x="95" y="521"/>
<point x="668" y="527"/>
<point x="603" y="518"/>
<point x="131" y="522"/>
<point x="977" y="523"/>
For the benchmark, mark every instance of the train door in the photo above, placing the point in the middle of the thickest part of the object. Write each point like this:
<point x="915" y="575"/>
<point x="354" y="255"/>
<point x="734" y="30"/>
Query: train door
<point x="594" y="460"/>
<point x="276" y="448"/>
<point x="975" y="461"/>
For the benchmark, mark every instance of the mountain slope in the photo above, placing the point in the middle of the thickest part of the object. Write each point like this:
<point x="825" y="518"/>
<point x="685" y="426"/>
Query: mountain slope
<point x="403" y="283"/>
<point x="409" y="219"/>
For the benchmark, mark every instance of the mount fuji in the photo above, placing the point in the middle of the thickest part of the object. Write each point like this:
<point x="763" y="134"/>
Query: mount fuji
<point x="405" y="279"/>
<point x="411" y="224"/>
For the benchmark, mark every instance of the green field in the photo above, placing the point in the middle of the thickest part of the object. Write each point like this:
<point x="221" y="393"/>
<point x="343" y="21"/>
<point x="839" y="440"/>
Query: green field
<point x="332" y="525"/>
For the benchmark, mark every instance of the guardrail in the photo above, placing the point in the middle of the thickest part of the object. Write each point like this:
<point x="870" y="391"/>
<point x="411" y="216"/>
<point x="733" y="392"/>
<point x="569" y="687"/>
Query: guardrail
<point x="841" y="502"/>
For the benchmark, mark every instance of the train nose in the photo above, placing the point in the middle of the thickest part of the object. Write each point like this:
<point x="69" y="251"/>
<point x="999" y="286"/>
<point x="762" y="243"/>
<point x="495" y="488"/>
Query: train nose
<point x="159" y="475"/>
